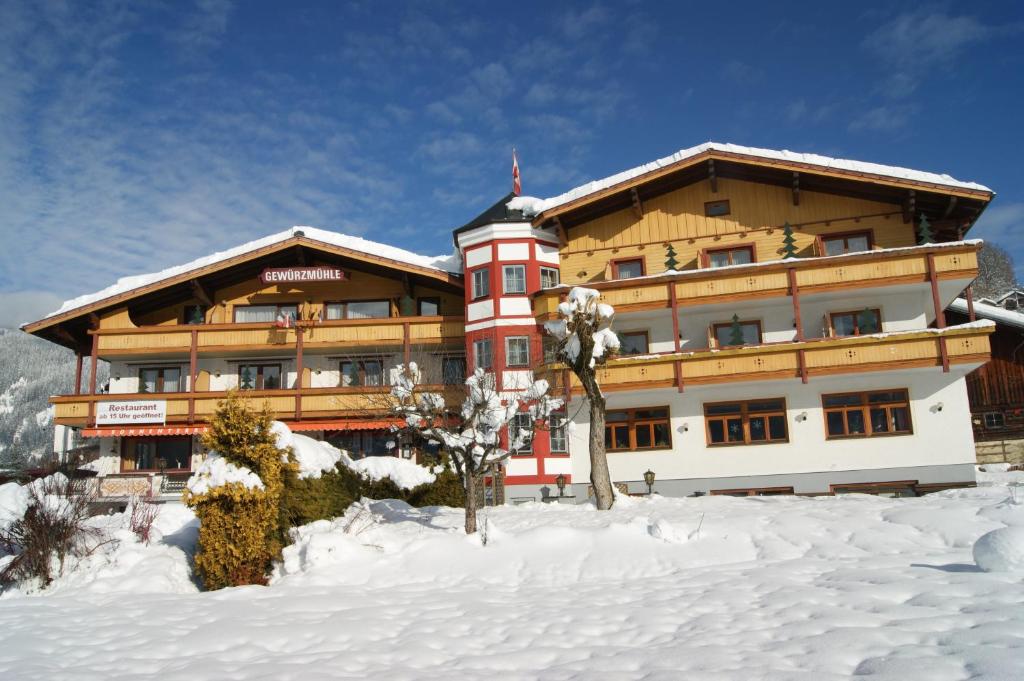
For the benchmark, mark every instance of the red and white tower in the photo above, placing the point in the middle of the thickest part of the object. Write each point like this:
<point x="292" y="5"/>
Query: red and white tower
<point x="506" y="260"/>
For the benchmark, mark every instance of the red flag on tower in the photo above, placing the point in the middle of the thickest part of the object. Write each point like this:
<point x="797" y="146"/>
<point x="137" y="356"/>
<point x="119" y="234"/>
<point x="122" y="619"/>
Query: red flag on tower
<point x="517" y="186"/>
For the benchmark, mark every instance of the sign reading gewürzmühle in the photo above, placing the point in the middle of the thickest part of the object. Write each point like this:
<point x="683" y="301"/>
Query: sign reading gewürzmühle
<point x="287" y="275"/>
<point x="119" y="413"/>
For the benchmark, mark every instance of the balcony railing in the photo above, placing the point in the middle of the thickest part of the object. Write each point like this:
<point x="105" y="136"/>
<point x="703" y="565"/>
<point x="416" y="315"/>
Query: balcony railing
<point x="801" y="360"/>
<point x="212" y="338"/>
<point x="779" y="278"/>
<point x="197" y="407"/>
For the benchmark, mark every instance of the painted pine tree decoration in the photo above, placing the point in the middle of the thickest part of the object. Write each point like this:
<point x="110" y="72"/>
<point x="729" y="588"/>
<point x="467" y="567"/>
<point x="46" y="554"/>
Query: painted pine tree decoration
<point x="247" y="377"/>
<point x="788" y="242"/>
<point x="867" y="322"/>
<point x="670" y="261"/>
<point x="924" y="231"/>
<point x="736" y="331"/>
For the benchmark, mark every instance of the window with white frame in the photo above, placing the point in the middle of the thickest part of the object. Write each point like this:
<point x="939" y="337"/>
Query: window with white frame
<point x="514" y="277"/>
<point x="556" y="430"/>
<point x="481" y="283"/>
<point x="549" y="277"/>
<point x="483" y="354"/>
<point x="517" y="351"/>
<point x="521" y="426"/>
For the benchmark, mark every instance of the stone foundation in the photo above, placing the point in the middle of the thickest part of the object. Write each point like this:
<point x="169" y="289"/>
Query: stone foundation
<point x="1000" y="451"/>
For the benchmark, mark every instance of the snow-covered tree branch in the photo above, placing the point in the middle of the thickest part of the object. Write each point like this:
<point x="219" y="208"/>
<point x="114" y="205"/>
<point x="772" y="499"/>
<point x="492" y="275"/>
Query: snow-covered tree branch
<point x="471" y="433"/>
<point x="585" y="341"/>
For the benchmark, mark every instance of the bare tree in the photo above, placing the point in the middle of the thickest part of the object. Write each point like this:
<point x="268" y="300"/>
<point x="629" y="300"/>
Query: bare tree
<point x="585" y="339"/>
<point x="995" y="272"/>
<point x="471" y="433"/>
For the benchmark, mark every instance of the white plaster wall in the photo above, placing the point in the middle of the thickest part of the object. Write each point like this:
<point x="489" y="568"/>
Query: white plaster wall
<point x="481" y="309"/>
<point x="939" y="437"/>
<point x="515" y="379"/>
<point x="521" y="465"/>
<point x="546" y="253"/>
<point x="478" y="256"/>
<point x="124" y="376"/>
<point x="902" y="310"/>
<point x="657" y="324"/>
<point x="554" y="466"/>
<point x="507" y="252"/>
<point x="517" y="306"/>
<point x="775" y="315"/>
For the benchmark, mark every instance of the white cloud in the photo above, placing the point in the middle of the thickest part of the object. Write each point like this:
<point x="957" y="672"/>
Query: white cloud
<point x="1002" y="223"/>
<point x="26" y="306"/>
<point x="881" y="119"/>
<point x="921" y="39"/>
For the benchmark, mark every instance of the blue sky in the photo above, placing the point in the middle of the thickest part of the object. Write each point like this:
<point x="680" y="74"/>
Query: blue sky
<point x="135" y="136"/>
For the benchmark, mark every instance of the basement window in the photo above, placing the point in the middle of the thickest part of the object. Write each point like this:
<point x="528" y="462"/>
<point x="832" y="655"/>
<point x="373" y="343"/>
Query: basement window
<point x="714" y="209"/>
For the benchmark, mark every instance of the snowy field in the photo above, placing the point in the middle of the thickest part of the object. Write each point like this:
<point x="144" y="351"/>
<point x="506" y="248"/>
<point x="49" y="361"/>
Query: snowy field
<point x="766" y="588"/>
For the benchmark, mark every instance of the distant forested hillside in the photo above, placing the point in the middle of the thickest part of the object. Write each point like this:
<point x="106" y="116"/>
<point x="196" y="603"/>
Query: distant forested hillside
<point x="30" y="371"/>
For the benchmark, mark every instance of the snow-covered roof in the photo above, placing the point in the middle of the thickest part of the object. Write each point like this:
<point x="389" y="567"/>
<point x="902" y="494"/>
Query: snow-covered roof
<point x="985" y="311"/>
<point x="450" y="264"/>
<point x="825" y="162"/>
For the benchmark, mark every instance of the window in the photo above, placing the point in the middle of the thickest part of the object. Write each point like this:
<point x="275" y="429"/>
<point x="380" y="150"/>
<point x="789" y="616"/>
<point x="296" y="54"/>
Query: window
<point x="723" y="257"/>
<point x="359" y="309"/>
<point x="633" y="429"/>
<point x="714" y="209"/>
<point x="521" y="425"/>
<point x="195" y="314"/>
<point x="160" y="380"/>
<point x="856" y="323"/>
<point x="633" y="343"/>
<point x="517" y="351"/>
<point x="627" y="269"/>
<point x="549" y="277"/>
<point x="428" y="307"/>
<point x="867" y="414"/>
<point x="453" y="370"/>
<point x="481" y="283"/>
<point x="737" y="333"/>
<point x="751" y="422"/>
<point x="150" y="454"/>
<point x="995" y="419"/>
<point x="514" y="277"/>
<point x="483" y="355"/>
<point x="557" y="434"/>
<point x="259" y="376"/>
<point x="269" y="314"/>
<point x="367" y="371"/>
<point x="854" y="242"/>
<point x="549" y="344"/>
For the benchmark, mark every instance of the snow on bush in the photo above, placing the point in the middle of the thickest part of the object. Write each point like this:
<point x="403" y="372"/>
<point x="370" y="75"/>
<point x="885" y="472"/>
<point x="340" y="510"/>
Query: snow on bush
<point x="402" y="472"/>
<point x="1000" y="550"/>
<point x="314" y="457"/>
<point x="216" y="471"/>
<point x="582" y="307"/>
<point x="13" y="502"/>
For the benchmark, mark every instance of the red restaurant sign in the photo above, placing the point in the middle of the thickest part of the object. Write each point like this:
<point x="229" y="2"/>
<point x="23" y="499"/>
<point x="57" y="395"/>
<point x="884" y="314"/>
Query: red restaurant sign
<point x="287" y="275"/>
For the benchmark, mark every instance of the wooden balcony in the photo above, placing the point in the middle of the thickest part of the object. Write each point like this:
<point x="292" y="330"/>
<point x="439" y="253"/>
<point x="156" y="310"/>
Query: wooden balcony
<point x="185" y="408"/>
<point x="797" y="360"/>
<point x="773" y="279"/>
<point x="215" y="338"/>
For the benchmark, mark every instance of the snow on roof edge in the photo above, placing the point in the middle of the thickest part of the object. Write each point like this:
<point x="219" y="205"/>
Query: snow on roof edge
<point x="450" y="263"/>
<point x="990" y="312"/>
<point x="895" y="172"/>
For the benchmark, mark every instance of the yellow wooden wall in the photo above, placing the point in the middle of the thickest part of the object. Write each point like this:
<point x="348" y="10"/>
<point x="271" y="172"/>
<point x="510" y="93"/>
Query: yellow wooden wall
<point x="678" y="218"/>
<point x="311" y="295"/>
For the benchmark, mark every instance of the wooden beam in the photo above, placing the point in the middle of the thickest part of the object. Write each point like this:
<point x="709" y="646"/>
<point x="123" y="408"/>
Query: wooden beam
<point x="200" y="293"/>
<point x="298" y="371"/>
<point x="910" y="206"/>
<point x="933" y="279"/>
<point x="949" y="207"/>
<point x="970" y="304"/>
<point x="78" y="373"/>
<point x="406" y="344"/>
<point x="563" y="237"/>
<point x="193" y="373"/>
<point x="63" y="334"/>
<point x="93" y="357"/>
<point x="300" y="256"/>
<point x="796" y="188"/>
<point x="794" y="293"/>
<point x="712" y="176"/>
<point x="677" y="367"/>
<point x="638" y="206"/>
<point x="801" y="358"/>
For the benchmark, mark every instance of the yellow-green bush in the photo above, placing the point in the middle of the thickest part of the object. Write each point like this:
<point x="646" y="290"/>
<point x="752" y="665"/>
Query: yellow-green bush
<point x="238" y="533"/>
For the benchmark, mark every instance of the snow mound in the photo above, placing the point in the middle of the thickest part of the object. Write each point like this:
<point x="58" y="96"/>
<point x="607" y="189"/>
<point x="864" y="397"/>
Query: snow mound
<point x="216" y="471"/>
<point x="402" y="472"/>
<point x="13" y="502"/>
<point x="315" y="457"/>
<point x="1000" y="550"/>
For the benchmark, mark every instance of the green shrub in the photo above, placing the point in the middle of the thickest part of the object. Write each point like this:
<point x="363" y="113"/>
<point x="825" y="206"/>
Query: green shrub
<point x="309" y="499"/>
<point x="446" y="490"/>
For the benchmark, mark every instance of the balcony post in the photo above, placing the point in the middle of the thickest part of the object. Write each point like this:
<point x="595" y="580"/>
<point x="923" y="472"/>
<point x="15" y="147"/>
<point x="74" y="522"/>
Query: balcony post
<point x="93" y="356"/>
<point x="677" y="367"/>
<point x="794" y="294"/>
<point x="193" y="361"/>
<point x="940" y="317"/>
<point x="970" y="304"/>
<point x="299" y="370"/>
<point x="406" y="347"/>
<point x="78" y="372"/>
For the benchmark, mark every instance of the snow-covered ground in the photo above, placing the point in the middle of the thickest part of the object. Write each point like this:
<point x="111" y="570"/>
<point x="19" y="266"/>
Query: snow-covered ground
<point x="710" y="588"/>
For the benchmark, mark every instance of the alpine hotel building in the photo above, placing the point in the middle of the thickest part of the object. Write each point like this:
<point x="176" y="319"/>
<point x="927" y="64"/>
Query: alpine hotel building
<point x="781" y="319"/>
